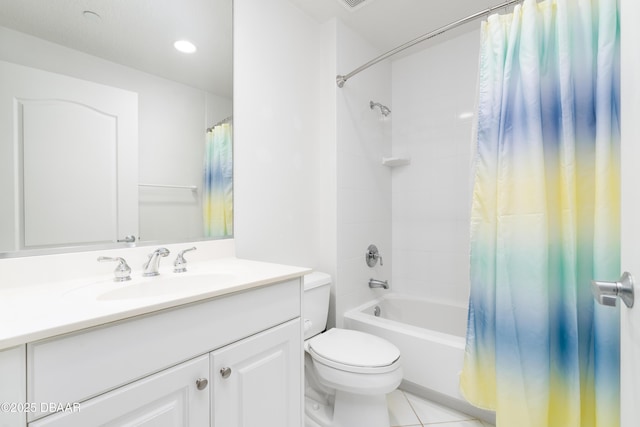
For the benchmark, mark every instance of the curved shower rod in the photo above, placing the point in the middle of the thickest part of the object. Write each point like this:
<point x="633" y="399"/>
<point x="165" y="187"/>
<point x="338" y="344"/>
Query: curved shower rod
<point x="342" y="79"/>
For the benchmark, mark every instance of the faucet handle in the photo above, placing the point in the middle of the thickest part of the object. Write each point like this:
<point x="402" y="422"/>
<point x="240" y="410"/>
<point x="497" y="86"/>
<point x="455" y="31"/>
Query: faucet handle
<point x="180" y="264"/>
<point x="122" y="272"/>
<point x="372" y="256"/>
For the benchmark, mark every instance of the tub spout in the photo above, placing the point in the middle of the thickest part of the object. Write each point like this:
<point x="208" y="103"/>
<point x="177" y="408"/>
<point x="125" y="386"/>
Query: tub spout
<point x="374" y="283"/>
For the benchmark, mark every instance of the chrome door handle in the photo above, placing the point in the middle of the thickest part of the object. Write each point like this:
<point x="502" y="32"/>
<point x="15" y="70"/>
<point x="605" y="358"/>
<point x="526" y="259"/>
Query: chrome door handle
<point x="607" y="293"/>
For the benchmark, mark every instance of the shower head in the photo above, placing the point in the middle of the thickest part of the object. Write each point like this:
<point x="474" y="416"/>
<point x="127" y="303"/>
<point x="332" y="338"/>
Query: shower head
<point x="383" y="109"/>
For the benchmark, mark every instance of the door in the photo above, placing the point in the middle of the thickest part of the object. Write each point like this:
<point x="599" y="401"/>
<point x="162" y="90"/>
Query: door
<point x="68" y="161"/>
<point x="256" y="381"/>
<point x="176" y="397"/>
<point x="630" y="318"/>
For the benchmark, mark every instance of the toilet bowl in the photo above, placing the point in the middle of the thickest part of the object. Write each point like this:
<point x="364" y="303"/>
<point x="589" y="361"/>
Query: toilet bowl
<point x="347" y="373"/>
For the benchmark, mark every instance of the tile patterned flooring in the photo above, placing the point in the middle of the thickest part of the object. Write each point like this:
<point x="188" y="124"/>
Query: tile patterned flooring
<point x="408" y="410"/>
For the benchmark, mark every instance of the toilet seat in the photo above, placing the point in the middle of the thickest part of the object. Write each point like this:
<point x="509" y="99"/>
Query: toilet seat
<point x="354" y="351"/>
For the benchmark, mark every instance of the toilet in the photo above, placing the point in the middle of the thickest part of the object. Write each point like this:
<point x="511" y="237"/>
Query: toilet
<point x="347" y="373"/>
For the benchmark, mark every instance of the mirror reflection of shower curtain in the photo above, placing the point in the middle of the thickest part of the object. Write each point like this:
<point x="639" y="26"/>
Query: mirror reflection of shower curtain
<point x="217" y="192"/>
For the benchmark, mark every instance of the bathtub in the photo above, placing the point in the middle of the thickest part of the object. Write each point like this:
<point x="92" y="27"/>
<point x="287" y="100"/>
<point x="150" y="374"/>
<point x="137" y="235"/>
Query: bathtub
<point x="431" y="339"/>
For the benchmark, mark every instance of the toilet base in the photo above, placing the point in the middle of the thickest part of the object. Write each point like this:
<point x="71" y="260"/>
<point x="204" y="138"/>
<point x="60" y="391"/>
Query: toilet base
<point x="349" y="410"/>
<point x="356" y="410"/>
<point x="317" y="414"/>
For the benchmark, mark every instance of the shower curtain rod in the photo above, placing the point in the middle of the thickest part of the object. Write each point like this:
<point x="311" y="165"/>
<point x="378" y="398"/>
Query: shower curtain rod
<point x="225" y="120"/>
<point x="342" y="79"/>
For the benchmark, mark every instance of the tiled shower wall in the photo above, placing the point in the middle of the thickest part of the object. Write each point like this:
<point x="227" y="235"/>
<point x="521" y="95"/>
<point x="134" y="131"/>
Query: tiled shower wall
<point x="433" y="99"/>
<point x="318" y="182"/>
<point x="363" y="138"/>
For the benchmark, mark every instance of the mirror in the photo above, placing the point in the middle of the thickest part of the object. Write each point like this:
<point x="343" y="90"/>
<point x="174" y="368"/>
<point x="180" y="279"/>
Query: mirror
<point x="156" y="186"/>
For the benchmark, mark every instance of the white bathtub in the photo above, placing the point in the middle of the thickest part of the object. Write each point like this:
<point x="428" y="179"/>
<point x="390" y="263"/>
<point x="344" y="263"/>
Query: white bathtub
<point x="431" y="339"/>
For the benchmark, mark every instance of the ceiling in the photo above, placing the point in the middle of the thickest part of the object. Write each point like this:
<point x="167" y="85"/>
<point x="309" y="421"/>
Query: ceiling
<point x="139" y="34"/>
<point x="387" y="24"/>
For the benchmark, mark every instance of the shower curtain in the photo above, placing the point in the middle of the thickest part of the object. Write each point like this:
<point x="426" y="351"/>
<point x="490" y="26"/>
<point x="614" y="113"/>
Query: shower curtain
<point x="545" y="217"/>
<point x="217" y="196"/>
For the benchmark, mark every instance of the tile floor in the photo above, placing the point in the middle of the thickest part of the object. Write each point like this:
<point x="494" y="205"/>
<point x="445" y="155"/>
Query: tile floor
<point x="408" y="410"/>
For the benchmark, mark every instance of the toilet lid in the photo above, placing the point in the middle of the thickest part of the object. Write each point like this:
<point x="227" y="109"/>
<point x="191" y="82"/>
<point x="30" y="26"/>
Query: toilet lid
<point x="353" y="349"/>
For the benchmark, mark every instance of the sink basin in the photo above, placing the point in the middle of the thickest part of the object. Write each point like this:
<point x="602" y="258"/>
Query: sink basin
<point x="150" y="287"/>
<point x="160" y="286"/>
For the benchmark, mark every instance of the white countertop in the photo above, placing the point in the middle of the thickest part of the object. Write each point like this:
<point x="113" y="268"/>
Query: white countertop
<point x="42" y="310"/>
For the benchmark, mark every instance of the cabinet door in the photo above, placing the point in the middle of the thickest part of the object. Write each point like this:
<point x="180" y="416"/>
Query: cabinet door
<point x="257" y="381"/>
<point x="170" y="398"/>
<point x="13" y="387"/>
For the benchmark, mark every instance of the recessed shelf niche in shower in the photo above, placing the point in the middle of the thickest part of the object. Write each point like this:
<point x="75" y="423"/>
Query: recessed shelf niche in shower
<point x="394" y="162"/>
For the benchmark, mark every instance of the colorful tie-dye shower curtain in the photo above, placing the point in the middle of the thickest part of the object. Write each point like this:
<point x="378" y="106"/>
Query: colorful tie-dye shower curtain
<point x="545" y="217"/>
<point x="217" y="198"/>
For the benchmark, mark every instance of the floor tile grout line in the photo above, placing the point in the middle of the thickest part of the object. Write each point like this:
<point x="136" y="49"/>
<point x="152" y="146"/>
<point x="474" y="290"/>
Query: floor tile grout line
<point x="422" y="424"/>
<point x="412" y="408"/>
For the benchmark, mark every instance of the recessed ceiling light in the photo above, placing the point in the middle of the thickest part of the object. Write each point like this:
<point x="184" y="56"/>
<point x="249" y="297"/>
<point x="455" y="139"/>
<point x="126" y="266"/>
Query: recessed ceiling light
<point x="185" y="46"/>
<point x="466" y="115"/>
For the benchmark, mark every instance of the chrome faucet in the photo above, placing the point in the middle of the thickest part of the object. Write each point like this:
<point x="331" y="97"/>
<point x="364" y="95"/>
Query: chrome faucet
<point x="122" y="273"/>
<point x="374" y="283"/>
<point x="153" y="263"/>
<point x="372" y="256"/>
<point x="180" y="264"/>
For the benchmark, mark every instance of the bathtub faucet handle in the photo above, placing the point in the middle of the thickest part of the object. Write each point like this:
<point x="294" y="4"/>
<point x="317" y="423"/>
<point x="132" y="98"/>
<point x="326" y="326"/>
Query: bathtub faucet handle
<point x="372" y="255"/>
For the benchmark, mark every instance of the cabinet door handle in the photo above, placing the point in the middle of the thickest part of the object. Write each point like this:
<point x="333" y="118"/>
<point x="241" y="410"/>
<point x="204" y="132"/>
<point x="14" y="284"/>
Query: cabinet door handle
<point x="225" y="372"/>
<point x="201" y="383"/>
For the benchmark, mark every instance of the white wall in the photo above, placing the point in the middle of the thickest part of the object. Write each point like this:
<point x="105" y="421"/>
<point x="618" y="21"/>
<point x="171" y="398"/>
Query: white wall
<point x="431" y="196"/>
<point x="172" y="122"/>
<point x="364" y="184"/>
<point x="284" y="167"/>
<point x="310" y="186"/>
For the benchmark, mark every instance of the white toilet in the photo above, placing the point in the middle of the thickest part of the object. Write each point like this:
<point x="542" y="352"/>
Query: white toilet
<point x="347" y="373"/>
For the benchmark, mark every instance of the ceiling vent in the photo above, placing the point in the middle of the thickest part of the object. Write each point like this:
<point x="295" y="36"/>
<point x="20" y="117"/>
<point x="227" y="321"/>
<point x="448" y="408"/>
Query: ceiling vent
<point x="354" y="4"/>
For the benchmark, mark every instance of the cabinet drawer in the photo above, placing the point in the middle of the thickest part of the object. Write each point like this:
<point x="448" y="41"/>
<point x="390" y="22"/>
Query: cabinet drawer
<point x="74" y="367"/>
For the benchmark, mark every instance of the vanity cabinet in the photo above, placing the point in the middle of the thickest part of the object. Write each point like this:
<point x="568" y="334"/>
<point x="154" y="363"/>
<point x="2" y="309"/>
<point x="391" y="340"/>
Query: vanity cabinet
<point x="218" y="362"/>
<point x="170" y="398"/>
<point x="256" y="382"/>
<point x="13" y="388"/>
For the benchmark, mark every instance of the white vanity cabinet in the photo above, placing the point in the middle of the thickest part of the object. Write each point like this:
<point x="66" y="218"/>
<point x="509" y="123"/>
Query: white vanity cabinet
<point x="256" y="382"/>
<point x="164" y="368"/>
<point x="13" y="388"/>
<point x="171" y="398"/>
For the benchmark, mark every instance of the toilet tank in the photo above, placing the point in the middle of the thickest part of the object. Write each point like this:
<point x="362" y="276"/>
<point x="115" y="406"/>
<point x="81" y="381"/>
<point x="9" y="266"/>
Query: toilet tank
<point x="317" y="289"/>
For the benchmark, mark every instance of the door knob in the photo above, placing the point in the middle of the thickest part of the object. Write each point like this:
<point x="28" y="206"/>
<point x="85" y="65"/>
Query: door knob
<point x="607" y="293"/>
